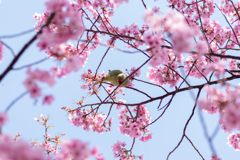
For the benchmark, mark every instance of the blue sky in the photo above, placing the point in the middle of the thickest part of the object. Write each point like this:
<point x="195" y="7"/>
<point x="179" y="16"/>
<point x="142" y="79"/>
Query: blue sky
<point x="17" y="16"/>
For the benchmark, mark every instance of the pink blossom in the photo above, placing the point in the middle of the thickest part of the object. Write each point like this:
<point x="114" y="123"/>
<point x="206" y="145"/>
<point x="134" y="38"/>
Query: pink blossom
<point x="155" y="9"/>
<point x="74" y="62"/>
<point x="120" y="101"/>
<point x="202" y="48"/>
<point x="141" y="157"/>
<point x="17" y="149"/>
<point x="87" y="121"/>
<point x="3" y="118"/>
<point x="1" y="51"/>
<point x="119" y="151"/>
<point x="200" y="66"/>
<point x="29" y="83"/>
<point x="76" y="150"/>
<point x="33" y="77"/>
<point x="35" y="92"/>
<point x="84" y="86"/>
<point x="164" y="75"/>
<point x="234" y="141"/>
<point x="134" y="128"/>
<point x="214" y="157"/>
<point x="60" y="33"/>
<point x="218" y="67"/>
<point x="48" y="99"/>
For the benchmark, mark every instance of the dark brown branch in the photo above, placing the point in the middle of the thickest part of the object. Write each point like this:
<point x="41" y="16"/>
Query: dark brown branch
<point x="150" y="84"/>
<point x="115" y="35"/>
<point x="108" y="114"/>
<point x="9" y="68"/>
<point x="132" y="144"/>
<point x="223" y="56"/>
<point x="185" y="127"/>
<point x="194" y="146"/>
<point x="139" y="91"/>
<point x="201" y="73"/>
<point x="169" y="93"/>
<point x="87" y="44"/>
<point x="144" y="4"/>
<point x="103" y="57"/>
<point x="130" y="112"/>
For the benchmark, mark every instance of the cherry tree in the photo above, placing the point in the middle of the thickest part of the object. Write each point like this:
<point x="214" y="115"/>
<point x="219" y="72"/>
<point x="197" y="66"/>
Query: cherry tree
<point x="182" y="51"/>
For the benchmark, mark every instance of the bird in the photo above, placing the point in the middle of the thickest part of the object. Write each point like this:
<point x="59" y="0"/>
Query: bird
<point x="116" y="77"/>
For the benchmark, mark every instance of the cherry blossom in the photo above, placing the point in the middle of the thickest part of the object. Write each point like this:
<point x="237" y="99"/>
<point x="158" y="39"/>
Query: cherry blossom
<point x="18" y="150"/>
<point x="119" y="151"/>
<point x="214" y="157"/>
<point x="88" y="119"/>
<point x="33" y="77"/>
<point x="58" y="32"/>
<point x="76" y="150"/>
<point x="134" y="127"/>
<point x="234" y="141"/>
<point x="1" y="51"/>
<point x="48" y="99"/>
<point x="186" y="37"/>
<point x="164" y="75"/>
<point x="3" y="118"/>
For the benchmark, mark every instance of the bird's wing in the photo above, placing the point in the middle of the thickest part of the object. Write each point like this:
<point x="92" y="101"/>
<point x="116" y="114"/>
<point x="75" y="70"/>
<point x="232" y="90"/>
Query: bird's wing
<point x="115" y="72"/>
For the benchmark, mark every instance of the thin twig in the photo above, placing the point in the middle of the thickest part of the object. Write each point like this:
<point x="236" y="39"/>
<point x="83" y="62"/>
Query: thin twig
<point x="185" y="127"/>
<point x="11" y="50"/>
<point x="194" y="146"/>
<point x="229" y="25"/>
<point x="17" y="34"/>
<point x="15" y="100"/>
<point x="31" y="64"/>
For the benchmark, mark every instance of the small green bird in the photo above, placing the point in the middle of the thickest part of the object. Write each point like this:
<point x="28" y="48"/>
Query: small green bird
<point x="116" y="77"/>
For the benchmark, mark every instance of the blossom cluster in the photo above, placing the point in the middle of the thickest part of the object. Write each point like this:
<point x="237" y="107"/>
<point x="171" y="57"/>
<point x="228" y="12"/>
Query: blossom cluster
<point x="69" y="149"/>
<point x="228" y="9"/>
<point x="77" y="150"/>
<point x="199" y="68"/>
<point x="182" y="30"/>
<point x="91" y="81"/>
<point x="33" y="88"/>
<point x="18" y="149"/>
<point x="89" y="119"/>
<point x="119" y="151"/>
<point x="234" y="141"/>
<point x="165" y="75"/>
<point x="66" y="24"/>
<point x="134" y="127"/>
<point x="181" y="35"/>
<point x="227" y="104"/>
